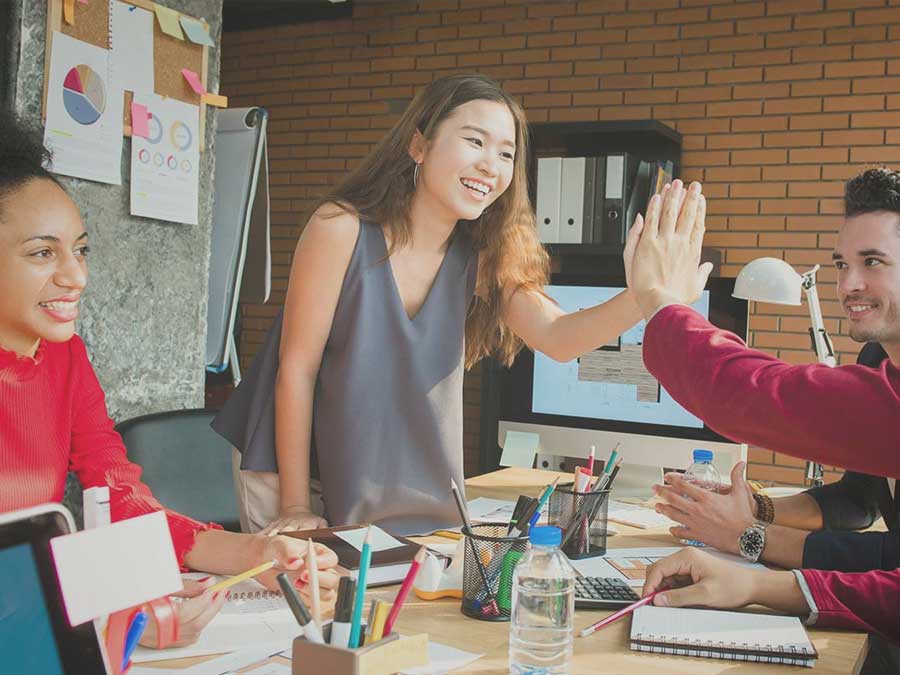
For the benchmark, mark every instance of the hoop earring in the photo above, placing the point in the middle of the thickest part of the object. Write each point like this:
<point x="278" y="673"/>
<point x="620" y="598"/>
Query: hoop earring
<point x="416" y="176"/>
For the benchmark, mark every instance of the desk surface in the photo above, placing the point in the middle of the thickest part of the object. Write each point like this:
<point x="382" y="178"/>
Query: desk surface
<point x="607" y="650"/>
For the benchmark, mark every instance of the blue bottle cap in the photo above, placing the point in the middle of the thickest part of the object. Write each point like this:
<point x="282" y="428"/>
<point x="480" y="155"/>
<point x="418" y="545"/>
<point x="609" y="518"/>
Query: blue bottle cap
<point x="703" y="455"/>
<point x="546" y="535"/>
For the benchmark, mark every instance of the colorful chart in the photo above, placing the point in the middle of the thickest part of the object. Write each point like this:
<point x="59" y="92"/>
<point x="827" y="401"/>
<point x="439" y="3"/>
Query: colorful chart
<point x="154" y="127"/>
<point x="84" y="95"/>
<point x="181" y="136"/>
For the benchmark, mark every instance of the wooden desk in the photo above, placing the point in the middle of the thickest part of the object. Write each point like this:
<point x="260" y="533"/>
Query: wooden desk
<point x="607" y="650"/>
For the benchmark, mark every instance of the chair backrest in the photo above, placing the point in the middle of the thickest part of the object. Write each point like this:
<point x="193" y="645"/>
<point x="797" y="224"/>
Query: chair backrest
<point x="186" y="464"/>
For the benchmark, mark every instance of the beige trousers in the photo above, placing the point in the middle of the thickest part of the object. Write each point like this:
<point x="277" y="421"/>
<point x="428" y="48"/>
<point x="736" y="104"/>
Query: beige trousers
<point x="258" y="495"/>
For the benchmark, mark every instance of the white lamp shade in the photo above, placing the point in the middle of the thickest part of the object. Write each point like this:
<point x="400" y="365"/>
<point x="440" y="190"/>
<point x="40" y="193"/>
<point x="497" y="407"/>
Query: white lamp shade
<point x="769" y="280"/>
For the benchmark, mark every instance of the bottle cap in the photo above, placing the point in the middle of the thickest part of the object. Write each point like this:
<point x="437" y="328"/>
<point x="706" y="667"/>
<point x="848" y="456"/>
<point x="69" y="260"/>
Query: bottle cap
<point x="546" y="535"/>
<point x="703" y="455"/>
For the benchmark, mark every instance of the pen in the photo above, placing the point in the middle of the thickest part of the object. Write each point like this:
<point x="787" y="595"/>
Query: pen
<point x="618" y="615"/>
<point x="313" y="568"/>
<point x="343" y="612"/>
<point x="295" y="602"/>
<point x="404" y="590"/>
<point x="237" y="578"/>
<point x="543" y="500"/>
<point x="365" y="560"/>
<point x="135" y="631"/>
<point x="490" y="607"/>
<point x="519" y="526"/>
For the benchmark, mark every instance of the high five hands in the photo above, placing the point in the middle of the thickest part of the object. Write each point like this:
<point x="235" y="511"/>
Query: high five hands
<point x="662" y="253"/>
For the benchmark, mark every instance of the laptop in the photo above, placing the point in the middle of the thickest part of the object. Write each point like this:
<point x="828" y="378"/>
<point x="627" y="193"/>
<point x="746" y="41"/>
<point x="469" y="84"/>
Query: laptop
<point x="35" y="635"/>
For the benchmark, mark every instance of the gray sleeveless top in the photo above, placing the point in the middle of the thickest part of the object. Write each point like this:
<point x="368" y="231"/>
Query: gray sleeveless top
<point x="387" y="412"/>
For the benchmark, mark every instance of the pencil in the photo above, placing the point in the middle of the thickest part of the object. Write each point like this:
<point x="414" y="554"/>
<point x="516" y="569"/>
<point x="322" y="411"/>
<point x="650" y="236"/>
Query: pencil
<point x="314" y="584"/>
<point x="237" y="578"/>
<point x="364" y="561"/>
<point x="618" y="615"/>
<point x="404" y="590"/>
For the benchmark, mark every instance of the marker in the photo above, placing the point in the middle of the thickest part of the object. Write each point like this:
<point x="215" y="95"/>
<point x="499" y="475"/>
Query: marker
<point x="404" y="590"/>
<point x="364" y="561"/>
<point x="295" y="602"/>
<point x="314" y="584"/>
<point x="343" y="613"/>
<point x="135" y="631"/>
<point x="590" y="466"/>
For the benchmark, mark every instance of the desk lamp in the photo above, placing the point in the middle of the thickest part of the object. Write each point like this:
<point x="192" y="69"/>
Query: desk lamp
<point x="773" y="280"/>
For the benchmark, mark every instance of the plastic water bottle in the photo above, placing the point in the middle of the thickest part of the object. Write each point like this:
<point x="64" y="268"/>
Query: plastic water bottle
<point x="704" y="475"/>
<point x="543" y="607"/>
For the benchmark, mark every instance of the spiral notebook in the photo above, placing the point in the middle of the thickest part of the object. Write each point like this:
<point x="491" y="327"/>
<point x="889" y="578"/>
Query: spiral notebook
<point x="736" y="636"/>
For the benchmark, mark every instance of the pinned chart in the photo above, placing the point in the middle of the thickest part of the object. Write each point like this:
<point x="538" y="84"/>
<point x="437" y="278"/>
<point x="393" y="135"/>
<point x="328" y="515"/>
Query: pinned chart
<point x="84" y="94"/>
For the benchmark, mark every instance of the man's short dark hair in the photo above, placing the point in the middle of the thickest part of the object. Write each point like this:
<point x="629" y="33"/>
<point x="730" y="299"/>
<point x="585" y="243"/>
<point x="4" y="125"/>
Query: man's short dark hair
<point x="872" y="190"/>
<point x="23" y="156"/>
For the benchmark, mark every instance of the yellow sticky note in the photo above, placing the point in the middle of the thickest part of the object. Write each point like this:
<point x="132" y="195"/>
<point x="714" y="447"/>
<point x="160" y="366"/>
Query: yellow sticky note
<point x="69" y="11"/>
<point x="215" y="99"/>
<point x="168" y="21"/>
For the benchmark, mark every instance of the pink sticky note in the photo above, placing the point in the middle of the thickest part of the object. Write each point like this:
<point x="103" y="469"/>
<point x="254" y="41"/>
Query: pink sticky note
<point x="139" y="118"/>
<point x="193" y="80"/>
<point x="83" y="2"/>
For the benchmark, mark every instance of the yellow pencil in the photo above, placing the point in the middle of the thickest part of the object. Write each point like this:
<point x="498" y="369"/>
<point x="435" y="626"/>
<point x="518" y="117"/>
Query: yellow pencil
<point x="382" y="609"/>
<point x="237" y="578"/>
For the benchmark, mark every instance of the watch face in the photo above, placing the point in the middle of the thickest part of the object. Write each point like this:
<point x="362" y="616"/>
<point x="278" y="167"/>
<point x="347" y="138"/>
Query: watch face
<point x="752" y="542"/>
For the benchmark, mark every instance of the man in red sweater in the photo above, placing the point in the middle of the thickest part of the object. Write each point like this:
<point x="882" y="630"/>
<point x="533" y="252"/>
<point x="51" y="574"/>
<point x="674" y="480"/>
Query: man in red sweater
<point x="846" y="416"/>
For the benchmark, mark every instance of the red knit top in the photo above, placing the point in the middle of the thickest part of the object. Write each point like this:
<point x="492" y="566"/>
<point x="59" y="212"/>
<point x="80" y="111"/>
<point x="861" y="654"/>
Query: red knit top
<point x="53" y="419"/>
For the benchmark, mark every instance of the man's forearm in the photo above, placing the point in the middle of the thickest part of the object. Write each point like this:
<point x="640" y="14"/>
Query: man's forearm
<point x="799" y="511"/>
<point x="784" y="546"/>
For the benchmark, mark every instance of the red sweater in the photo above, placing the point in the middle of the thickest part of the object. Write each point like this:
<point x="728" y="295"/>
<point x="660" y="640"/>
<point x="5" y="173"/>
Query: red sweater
<point x="847" y="416"/>
<point x="53" y="419"/>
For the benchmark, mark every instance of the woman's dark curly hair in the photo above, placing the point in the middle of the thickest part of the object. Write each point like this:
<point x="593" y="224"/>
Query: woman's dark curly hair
<point x="23" y="156"/>
<point x="872" y="190"/>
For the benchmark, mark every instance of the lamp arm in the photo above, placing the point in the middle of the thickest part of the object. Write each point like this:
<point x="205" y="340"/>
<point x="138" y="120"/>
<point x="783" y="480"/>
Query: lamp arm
<point x="821" y="341"/>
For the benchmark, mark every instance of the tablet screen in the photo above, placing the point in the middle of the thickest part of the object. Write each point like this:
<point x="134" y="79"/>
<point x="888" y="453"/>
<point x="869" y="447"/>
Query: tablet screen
<point x="35" y="635"/>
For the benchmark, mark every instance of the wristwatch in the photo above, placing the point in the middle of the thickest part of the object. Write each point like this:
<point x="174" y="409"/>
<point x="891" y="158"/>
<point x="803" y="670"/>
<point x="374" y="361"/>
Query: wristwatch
<point x="753" y="541"/>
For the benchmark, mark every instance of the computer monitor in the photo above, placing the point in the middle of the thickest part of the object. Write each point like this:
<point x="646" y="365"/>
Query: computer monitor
<point x="607" y="396"/>
<point x="35" y="634"/>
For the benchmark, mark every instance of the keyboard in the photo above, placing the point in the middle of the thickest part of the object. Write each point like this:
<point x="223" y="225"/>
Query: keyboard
<point x="603" y="593"/>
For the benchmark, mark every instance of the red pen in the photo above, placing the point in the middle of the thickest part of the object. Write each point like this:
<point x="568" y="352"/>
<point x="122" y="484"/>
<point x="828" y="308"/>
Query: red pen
<point x="404" y="591"/>
<point x="618" y="615"/>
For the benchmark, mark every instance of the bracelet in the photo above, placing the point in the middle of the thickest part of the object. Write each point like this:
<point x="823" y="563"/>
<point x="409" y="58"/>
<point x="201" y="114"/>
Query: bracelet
<point x="167" y="625"/>
<point x="765" y="507"/>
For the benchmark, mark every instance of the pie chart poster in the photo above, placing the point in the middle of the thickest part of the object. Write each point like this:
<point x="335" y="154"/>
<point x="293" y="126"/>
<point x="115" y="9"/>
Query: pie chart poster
<point x="84" y="117"/>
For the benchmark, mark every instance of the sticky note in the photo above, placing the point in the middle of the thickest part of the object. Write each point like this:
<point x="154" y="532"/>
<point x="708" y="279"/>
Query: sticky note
<point x="83" y="2"/>
<point x="110" y="568"/>
<point x="139" y="119"/>
<point x="196" y="31"/>
<point x="519" y="449"/>
<point x="168" y="21"/>
<point x="194" y="80"/>
<point x="381" y="540"/>
<point x="69" y="11"/>
<point x="215" y="100"/>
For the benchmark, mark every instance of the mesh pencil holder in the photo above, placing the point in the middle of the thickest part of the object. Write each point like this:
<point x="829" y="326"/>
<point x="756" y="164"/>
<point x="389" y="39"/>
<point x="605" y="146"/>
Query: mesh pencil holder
<point x="498" y="554"/>
<point x="582" y="516"/>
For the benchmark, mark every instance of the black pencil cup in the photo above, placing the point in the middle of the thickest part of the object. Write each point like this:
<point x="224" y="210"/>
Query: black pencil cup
<point x="491" y="556"/>
<point x="582" y="517"/>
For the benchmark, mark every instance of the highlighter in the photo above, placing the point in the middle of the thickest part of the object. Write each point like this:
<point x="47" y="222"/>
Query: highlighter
<point x="343" y="613"/>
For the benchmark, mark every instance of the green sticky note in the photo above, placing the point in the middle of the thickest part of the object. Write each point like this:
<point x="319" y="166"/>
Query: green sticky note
<point x="168" y="21"/>
<point x="196" y="31"/>
<point x="519" y="449"/>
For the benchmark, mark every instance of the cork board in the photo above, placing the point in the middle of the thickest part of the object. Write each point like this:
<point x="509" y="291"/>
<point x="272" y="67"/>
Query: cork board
<point x="170" y="54"/>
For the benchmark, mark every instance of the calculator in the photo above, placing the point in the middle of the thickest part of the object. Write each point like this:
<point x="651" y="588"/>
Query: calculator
<point x="603" y="593"/>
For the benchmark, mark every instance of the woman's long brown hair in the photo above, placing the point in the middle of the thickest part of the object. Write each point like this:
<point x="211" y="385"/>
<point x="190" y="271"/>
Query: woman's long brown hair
<point x="380" y="190"/>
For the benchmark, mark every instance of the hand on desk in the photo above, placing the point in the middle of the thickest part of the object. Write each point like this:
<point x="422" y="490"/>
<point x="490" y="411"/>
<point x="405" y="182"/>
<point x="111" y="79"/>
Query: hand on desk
<point x="298" y="518"/>
<point x="716" y="519"/>
<point x="197" y="610"/>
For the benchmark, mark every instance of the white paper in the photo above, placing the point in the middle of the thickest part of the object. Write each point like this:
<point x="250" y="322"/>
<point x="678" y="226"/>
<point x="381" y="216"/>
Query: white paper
<point x="84" y="113"/>
<point x="487" y="510"/>
<point x="115" y="567"/>
<point x="442" y="659"/>
<point x="519" y="449"/>
<point x="131" y="40"/>
<point x="637" y="516"/>
<point x="269" y="669"/>
<point x="381" y="540"/>
<point x="165" y="166"/>
<point x="222" y="665"/>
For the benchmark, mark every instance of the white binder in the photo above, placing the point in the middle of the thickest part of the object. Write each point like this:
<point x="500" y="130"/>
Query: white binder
<point x="571" y="203"/>
<point x="549" y="181"/>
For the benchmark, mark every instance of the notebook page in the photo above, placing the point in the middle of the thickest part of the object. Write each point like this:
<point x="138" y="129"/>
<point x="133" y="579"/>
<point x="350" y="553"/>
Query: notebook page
<point x="711" y="626"/>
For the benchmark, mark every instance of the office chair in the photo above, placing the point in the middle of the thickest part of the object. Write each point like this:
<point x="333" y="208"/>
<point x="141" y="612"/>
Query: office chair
<point x="186" y="464"/>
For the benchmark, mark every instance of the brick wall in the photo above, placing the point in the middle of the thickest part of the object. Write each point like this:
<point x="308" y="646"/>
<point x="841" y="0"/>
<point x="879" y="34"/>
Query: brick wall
<point x="779" y="102"/>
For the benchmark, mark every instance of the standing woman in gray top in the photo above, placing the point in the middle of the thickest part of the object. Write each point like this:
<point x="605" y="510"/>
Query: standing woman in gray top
<point x="422" y="261"/>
